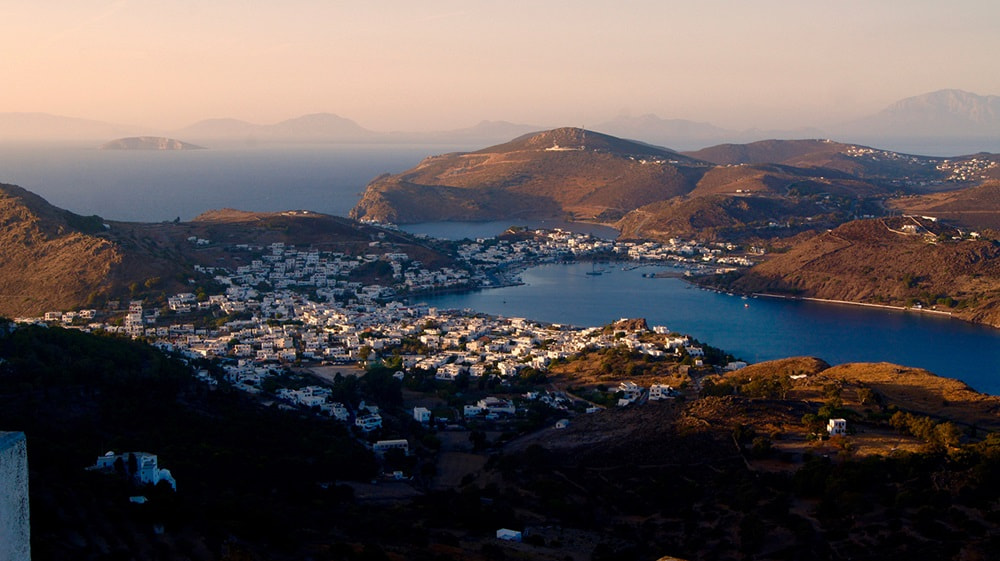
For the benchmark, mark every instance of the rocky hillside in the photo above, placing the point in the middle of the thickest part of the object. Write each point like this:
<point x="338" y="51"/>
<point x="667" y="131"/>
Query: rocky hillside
<point x="887" y="168"/>
<point x="766" y="189"/>
<point x="975" y="207"/>
<point x="559" y="173"/>
<point x="52" y="259"/>
<point x="898" y="262"/>
<point x="720" y="217"/>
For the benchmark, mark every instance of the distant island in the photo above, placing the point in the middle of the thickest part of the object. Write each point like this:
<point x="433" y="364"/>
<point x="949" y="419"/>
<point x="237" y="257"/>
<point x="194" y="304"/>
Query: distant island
<point x="149" y="143"/>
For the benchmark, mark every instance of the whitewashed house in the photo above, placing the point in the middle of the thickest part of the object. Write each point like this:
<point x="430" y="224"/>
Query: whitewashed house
<point x="836" y="427"/>
<point x="660" y="391"/>
<point x="422" y="415"/>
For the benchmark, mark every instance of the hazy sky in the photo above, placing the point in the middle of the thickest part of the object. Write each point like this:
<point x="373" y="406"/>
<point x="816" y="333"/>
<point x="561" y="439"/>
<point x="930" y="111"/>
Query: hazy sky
<point x="436" y="64"/>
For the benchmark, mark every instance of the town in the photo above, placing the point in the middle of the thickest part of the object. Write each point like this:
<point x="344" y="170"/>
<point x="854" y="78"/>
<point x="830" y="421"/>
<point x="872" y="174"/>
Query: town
<point x="288" y="327"/>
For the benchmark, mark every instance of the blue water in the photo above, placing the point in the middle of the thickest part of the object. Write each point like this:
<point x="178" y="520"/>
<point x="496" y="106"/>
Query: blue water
<point x="152" y="186"/>
<point x="756" y="329"/>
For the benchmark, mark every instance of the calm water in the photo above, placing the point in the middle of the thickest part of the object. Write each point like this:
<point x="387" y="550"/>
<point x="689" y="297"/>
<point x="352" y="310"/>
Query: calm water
<point x="152" y="186"/>
<point x="755" y="330"/>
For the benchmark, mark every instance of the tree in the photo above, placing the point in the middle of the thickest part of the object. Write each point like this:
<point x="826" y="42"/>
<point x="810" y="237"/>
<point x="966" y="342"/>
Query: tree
<point x="814" y="423"/>
<point x="133" y="464"/>
<point x="478" y="440"/>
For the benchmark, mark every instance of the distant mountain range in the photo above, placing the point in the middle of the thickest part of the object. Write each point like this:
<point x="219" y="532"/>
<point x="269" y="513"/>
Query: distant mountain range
<point x="945" y="113"/>
<point x="947" y="122"/>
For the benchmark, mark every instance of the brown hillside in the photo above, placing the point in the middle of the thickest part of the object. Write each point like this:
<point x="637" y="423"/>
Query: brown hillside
<point x="725" y="217"/>
<point x="767" y="151"/>
<point x="917" y="391"/>
<point x="784" y="180"/>
<point x="52" y="259"/>
<point x="562" y="172"/>
<point x="49" y="258"/>
<point x="974" y="207"/>
<point x="878" y="262"/>
<point x="920" y="173"/>
<point x="911" y="389"/>
<point x="793" y="366"/>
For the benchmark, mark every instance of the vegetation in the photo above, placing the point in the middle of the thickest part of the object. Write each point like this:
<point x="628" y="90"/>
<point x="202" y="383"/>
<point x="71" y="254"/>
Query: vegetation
<point x="243" y="470"/>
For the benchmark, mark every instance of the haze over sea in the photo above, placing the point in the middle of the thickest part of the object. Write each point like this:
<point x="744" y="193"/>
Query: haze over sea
<point x="153" y="186"/>
<point x="157" y="186"/>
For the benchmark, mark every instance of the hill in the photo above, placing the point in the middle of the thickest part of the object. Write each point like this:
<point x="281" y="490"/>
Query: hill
<point x="557" y="173"/>
<point x="889" y="168"/>
<point x="148" y="143"/>
<point x="50" y="258"/>
<point x="903" y="261"/>
<point x="53" y="259"/>
<point x="973" y="207"/>
<point x="725" y="218"/>
<point x="584" y="175"/>
<point x="317" y="127"/>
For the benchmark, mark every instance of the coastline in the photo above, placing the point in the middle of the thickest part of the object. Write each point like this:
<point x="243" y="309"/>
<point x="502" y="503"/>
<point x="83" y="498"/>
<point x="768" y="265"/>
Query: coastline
<point x="849" y="303"/>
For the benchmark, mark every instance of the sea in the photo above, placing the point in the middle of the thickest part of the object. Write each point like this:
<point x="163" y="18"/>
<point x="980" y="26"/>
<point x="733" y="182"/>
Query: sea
<point x="162" y="186"/>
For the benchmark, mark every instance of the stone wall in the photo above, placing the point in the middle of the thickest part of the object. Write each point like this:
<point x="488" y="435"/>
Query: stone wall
<point x="15" y="528"/>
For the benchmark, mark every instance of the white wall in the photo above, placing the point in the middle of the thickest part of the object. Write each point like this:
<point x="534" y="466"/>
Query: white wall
<point x="15" y="528"/>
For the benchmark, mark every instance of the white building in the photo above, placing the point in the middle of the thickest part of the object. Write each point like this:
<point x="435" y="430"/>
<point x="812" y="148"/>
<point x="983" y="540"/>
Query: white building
<point x="422" y="415"/>
<point x="496" y="405"/>
<point x="147" y="470"/>
<point x="630" y="390"/>
<point x="508" y="535"/>
<point x="660" y="391"/>
<point x="369" y="422"/>
<point x="836" y="427"/>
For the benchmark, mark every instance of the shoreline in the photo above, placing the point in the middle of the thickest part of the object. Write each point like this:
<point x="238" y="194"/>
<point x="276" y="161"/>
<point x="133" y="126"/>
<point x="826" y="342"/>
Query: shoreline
<point x="849" y="303"/>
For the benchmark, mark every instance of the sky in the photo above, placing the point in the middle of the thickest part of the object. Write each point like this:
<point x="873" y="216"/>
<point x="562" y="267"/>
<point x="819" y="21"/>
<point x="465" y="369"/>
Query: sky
<point x="415" y="65"/>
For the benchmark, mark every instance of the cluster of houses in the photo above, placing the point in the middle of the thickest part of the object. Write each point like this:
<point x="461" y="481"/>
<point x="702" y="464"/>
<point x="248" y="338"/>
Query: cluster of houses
<point x="557" y="244"/>
<point x="971" y="169"/>
<point x="272" y="323"/>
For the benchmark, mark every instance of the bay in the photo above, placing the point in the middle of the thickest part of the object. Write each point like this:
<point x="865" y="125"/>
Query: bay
<point x="755" y="329"/>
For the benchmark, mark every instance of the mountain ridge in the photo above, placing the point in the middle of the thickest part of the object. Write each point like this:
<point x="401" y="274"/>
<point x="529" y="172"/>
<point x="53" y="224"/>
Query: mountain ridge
<point x="557" y="173"/>
<point x="961" y="121"/>
<point x="587" y="175"/>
